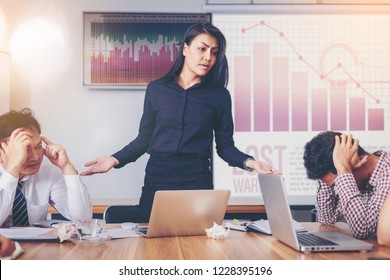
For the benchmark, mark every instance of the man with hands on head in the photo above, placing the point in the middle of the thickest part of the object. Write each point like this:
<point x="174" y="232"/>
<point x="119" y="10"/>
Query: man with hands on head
<point x="42" y="171"/>
<point x="353" y="183"/>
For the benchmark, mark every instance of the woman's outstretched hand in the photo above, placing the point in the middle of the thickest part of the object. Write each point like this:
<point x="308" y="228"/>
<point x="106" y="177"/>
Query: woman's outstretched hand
<point x="262" y="167"/>
<point x="100" y="165"/>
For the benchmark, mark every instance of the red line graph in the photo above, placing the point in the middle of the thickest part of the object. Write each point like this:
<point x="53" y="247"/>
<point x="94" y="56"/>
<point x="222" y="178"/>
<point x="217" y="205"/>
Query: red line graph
<point x="321" y="75"/>
<point x="270" y="96"/>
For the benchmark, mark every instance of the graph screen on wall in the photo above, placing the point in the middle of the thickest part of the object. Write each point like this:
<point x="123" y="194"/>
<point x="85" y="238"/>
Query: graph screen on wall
<point x="294" y="74"/>
<point x="131" y="49"/>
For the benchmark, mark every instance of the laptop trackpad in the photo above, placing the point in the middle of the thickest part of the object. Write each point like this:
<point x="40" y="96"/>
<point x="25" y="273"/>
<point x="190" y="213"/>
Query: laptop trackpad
<point x="336" y="237"/>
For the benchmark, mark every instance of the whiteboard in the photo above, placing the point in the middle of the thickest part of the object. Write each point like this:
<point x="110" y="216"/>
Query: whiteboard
<point x="296" y="70"/>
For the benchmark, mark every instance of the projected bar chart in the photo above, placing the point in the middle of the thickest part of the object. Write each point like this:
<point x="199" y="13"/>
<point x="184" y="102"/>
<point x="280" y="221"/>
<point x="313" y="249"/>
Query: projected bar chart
<point x="296" y="71"/>
<point x="270" y="95"/>
<point x="132" y="48"/>
<point x="131" y="60"/>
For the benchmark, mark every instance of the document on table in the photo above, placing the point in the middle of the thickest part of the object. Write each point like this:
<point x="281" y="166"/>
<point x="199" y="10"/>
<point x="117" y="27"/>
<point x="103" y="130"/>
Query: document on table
<point x="29" y="234"/>
<point x="260" y="226"/>
<point x="126" y="230"/>
<point x="119" y="233"/>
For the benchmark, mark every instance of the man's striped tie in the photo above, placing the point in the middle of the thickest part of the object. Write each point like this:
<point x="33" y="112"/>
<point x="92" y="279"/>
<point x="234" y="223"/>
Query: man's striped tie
<point x="19" y="209"/>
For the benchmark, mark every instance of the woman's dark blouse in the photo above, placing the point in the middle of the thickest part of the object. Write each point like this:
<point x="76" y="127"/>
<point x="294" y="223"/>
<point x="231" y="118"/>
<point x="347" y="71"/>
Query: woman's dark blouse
<point x="181" y="122"/>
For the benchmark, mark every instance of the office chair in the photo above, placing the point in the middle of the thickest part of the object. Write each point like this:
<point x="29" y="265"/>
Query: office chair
<point x="313" y="213"/>
<point x="121" y="214"/>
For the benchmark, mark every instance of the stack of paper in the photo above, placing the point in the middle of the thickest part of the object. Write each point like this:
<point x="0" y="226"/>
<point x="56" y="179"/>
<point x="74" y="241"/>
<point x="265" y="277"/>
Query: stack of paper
<point x="260" y="226"/>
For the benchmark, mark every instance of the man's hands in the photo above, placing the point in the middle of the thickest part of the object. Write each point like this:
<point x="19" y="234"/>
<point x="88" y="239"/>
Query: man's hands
<point x="345" y="154"/>
<point x="14" y="150"/>
<point x="7" y="246"/>
<point x="57" y="156"/>
<point x="22" y="153"/>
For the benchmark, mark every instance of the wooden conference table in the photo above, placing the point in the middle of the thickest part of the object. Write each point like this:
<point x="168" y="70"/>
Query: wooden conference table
<point x="238" y="245"/>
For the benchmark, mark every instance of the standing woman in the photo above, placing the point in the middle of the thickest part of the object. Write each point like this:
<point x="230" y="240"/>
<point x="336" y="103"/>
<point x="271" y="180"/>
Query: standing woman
<point x="183" y="111"/>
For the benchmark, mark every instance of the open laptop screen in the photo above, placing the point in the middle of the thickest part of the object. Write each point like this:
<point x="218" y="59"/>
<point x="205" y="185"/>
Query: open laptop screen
<point x="186" y="212"/>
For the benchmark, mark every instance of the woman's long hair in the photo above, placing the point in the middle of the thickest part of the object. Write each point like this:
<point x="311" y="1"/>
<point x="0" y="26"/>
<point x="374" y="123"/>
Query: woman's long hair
<point x="219" y="75"/>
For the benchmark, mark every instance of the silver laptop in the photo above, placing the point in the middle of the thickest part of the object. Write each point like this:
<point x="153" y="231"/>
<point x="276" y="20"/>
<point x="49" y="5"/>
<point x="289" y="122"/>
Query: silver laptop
<point x="280" y="220"/>
<point x="185" y="212"/>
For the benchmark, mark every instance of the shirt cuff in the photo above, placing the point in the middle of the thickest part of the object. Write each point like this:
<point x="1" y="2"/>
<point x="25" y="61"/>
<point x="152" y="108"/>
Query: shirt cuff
<point x="344" y="178"/>
<point x="117" y="156"/>
<point x="246" y="167"/>
<point x="347" y="187"/>
<point x="73" y="181"/>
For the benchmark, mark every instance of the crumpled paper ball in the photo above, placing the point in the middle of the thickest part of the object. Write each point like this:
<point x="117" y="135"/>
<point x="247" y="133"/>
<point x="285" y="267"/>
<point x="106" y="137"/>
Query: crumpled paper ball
<point x="66" y="231"/>
<point x="217" y="232"/>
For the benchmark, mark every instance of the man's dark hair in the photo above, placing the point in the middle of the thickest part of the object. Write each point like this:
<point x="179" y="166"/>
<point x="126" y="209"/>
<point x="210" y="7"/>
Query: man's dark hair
<point x="17" y="119"/>
<point x="318" y="155"/>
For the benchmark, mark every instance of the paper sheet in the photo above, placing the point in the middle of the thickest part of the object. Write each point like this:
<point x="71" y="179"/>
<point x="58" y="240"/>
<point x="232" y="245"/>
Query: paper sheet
<point x="120" y="233"/>
<point x="28" y="233"/>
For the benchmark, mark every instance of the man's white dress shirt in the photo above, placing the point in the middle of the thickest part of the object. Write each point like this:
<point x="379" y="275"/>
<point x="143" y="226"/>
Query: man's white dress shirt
<point x="66" y="193"/>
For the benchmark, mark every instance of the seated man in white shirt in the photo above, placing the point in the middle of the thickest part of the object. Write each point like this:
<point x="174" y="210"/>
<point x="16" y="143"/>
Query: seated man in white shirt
<point x="42" y="171"/>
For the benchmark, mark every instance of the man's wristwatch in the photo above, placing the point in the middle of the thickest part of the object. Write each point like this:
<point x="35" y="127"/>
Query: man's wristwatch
<point x="246" y="167"/>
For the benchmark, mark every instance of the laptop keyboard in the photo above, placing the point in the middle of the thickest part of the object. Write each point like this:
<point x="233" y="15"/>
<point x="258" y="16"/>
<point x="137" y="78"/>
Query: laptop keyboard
<point x="309" y="239"/>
